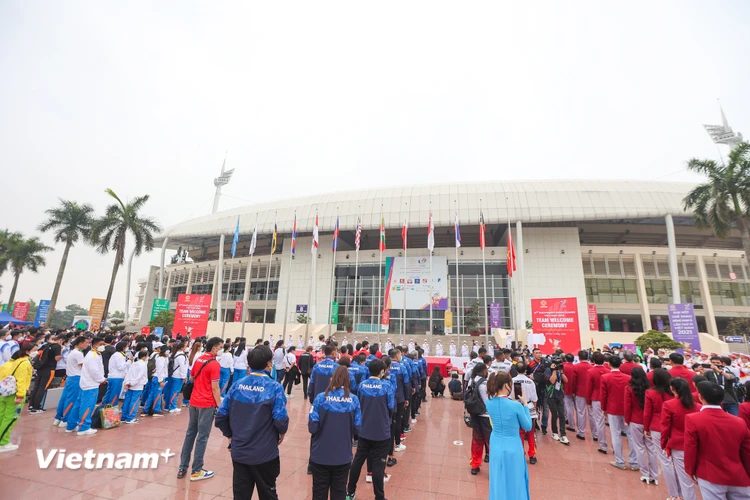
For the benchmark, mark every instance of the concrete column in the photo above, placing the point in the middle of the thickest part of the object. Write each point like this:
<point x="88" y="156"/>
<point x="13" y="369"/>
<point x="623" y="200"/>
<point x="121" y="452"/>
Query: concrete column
<point x="642" y="297"/>
<point x="220" y="280"/>
<point x="189" y="281"/>
<point x="161" y="268"/>
<point x="708" y="305"/>
<point x="520" y="300"/>
<point x="674" y="272"/>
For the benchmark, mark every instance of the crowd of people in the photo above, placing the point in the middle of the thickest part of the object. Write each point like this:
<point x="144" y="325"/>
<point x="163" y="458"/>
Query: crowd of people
<point x="670" y="409"/>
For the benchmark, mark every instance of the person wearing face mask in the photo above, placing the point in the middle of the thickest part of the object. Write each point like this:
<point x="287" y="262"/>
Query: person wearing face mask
<point x="19" y="367"/>
<point x="135" y="380"/>
<point x="118" y="367"/>
<point x="153" y="405"/>
<point x="92" y="376"/>
<point x="72" y="381"/>
<point x="177" y="371"/>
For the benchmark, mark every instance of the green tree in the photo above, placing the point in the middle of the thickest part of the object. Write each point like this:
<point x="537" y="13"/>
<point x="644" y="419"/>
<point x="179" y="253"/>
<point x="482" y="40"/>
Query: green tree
<point x="24" y="254"/>
<point x="110" y="233"/>
<point x="302" y="318"/>
<point x="164" y="319"/>
<point x="471" y="318"/>
<point x="723" y="201"/>
<point x="63" y="319"/>
<point x="6" y="238"/>
<point x="738" y="326"/>
<point x="70" y="223"/>
<point x="117" y="324"/>
<point x="656" y="340"/>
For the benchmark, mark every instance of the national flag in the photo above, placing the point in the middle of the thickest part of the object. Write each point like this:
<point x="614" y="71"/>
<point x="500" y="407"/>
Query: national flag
<point x="404" y="231"/>
<point x="381" y="245"/>
<point x="335" y="244"/>
<point x="358" y="234"/>
<point x="314" y="248"/>
<point x="592" y="342"/>
<point x="273" y="241"/>
<point x="236" y="238"/>
<point x="458" y="233"/>
<point x="254" y="239"/>
<point x="430" y="234"/>
<point x="482" y="242"/>
<point x="294" y="235"/>
<point x="511" y="263"/>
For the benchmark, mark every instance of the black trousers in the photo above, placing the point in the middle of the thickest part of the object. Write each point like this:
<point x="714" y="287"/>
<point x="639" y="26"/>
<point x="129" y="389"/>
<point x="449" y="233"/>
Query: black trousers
<point x="423" y="391"/>
<point x="263" y="476"/>
<point x="329" y="478"/>
<point x="288" y="382"/>
<point x="557" y="413"/>
<point x="416" y="399"/>
<point x="375" y="452"/>
<point x="440" y="389"/>
<point x="44" y="378"/>
<point x="305" y="380"/>
<point x="407" y="412"/>
<point x="398" y="422"/>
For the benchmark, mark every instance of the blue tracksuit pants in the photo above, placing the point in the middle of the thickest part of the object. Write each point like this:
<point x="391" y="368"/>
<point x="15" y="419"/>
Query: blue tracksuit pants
<point x="83" y="410"/>
<point x="69" y="397"/>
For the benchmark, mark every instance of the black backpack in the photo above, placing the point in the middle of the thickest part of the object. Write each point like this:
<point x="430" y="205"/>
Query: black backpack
<point x="151" y="367"/>
<point x="40" y="359"/>
<point x="170" y="366"/>
<point x="473" y="402"/>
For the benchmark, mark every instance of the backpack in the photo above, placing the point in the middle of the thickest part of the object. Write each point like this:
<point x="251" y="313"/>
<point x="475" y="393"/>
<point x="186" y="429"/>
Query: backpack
<point x="151" y="367"/>
<point x="8" y="385"/>
<point x="473" y="400"/>
<point x="170" y="366"/>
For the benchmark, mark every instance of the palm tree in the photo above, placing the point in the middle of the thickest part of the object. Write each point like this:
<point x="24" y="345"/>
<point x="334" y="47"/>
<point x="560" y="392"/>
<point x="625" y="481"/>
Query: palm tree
<point x="70" y="222"/>
<point x="110" y="231"/>
<point x="5" y="240"/>
<point x="23" y="254"/>
<point x="723" y="201"/>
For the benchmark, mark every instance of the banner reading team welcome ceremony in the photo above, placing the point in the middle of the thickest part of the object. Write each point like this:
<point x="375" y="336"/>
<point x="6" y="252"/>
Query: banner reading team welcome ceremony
<point x="557" y="320"/>
<point x="192" y="312"/>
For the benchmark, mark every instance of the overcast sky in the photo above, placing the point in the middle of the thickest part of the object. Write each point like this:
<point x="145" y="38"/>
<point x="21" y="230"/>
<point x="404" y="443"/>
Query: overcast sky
<point x="311" y="97"/>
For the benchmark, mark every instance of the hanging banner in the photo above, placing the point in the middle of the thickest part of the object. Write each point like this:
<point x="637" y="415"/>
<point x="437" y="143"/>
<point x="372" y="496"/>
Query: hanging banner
<point x="386" y="317"/>
<point x="159" y="306"/>
<point x="334" y="313"/>
<point x="659" y="324"/>
<point x="408" y="279"/>
<point x="21" y="310"/>
<point x="556" y="320"/>
<point x="238" y="312"/>
<point x="41" y="313"/>
<point x="495" y="315"/>
<point x="191" y="315"/>
<point x="96" y="311"/>
<point x="146" y="330"/>
<point x="684" y="325"/>
<point x="448" y="322"/>
<point x="607" y="325"/>
<point x="593" y="318"/>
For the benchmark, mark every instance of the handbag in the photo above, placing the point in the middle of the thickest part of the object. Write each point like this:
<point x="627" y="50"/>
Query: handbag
<point x="9" y="385"/>
<point x="109" y="416"/>
<point x="187" y="389"/>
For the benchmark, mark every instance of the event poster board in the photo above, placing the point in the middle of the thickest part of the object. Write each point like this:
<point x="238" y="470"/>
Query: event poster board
<point x="238" y="311"/>
<point x="409" y="279"/>
<point x="684" y="325"/>
<point x="21" y="310"/>
<point x="159" y="306"/>
<point x="557" y="320"/>
<point x="593" y="318"/>
<point x="96" y="311"/>
<point x="192" y="312"/>
<point x="448" y="322"/>
<point x="41" y="313"/>
<point x="495" y="315"/>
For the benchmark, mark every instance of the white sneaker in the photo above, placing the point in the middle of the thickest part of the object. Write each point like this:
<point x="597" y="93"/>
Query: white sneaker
<point x="134" y="421"/>
<point x="555" y="437"/>
<point x="176" y="410"/>
<point x="386" y="478"/>
<point x="56" y="423"/>
<point x="72" y="430"/>
<point x="400" y="447"/>
<point x="413" y="420"/>
<point x="290" y="396"/>
<point x="564" y="440"/>
<point x="87" y="433"/>
<point x="368" y="479"/>
<point x="63" y="423"/>
<point x="8" y="447"/>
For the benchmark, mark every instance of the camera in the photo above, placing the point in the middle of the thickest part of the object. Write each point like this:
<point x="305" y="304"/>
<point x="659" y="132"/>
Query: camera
<point x="554" y="363"/>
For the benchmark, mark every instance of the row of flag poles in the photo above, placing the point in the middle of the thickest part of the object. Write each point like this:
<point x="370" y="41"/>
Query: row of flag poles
<point x="511" y="267"/>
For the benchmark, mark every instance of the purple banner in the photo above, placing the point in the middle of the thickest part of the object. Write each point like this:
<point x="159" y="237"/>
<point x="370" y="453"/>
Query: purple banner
<point x="495" y="315"/>
<point x="683" y="325"/>
<point x="659" y="324"/>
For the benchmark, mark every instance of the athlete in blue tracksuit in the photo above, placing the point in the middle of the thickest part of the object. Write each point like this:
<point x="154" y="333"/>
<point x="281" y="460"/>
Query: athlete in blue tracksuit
<point x="403" y="391"/>
<point x="333" y="421"/>
<point x="320" y="378"/>
<point x="253" y="415"/>
<point x="411" y="376"/>
<point x="423" y="378"/>
<point x="377" y="403"/>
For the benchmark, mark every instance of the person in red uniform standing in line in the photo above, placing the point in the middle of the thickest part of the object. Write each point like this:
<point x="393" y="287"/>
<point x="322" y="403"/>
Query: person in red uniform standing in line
<point x="635" y="401"/>
<point x="613" y="404"/>
<point x="594" y="400"/>
<point x="679" y="370"/>
<point x="655" y="398"/>
<point x="628" y="364"/>
<point x="673" y="414"/>
<point x="745" y="407"/>
<point x="581" y="390"/>
<point x="725" y="473"/>
<point x="569" y="392"/>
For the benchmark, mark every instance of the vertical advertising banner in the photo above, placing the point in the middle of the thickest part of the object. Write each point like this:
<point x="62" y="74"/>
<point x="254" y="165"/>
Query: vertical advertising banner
<point x="448" y="322"/>
<point x="96" y="311"/>
<point x="593" y="318"/>
<point x="557" y="320"/>
<point x="238" y="312"/>
<point x="41" y="313"/>
<point x="334" y="313"/>
<point x="159" y="306"/>
<point x="386" y="317"/>
<point x="21" y="310"/>
<point x="495" y="315"/>
<point x="146" y="330"/>
<point x="191" y="315"/>
<point x="684" y="326"/>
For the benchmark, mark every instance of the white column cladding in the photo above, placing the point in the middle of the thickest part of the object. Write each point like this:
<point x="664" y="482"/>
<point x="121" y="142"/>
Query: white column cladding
<point x="642" y="297"/>
<point x="674" y="272"/>
<point x="127" y="285"/>
<point x="189" y="286"/>
<point x="161" y="268"/>
<point x="708" y="305"/>
<point x="220" y="280"/>
<point x="521" y="309"/>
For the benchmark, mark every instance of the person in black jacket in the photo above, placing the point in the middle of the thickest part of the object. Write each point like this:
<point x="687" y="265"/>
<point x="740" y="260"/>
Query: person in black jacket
<point x="306" y="362"/>
<point x="253" y="416"/>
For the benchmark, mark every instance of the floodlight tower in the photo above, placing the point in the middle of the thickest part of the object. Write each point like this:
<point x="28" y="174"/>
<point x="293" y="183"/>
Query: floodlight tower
<point x="221" y="180"/>
<point x="723" y="134"/>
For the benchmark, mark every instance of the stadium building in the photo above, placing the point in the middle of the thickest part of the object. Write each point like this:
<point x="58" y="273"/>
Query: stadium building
<point x="608" y="244"/>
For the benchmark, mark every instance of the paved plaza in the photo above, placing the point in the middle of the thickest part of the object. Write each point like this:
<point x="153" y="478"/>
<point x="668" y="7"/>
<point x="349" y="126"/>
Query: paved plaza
<point x="432" y="467"/>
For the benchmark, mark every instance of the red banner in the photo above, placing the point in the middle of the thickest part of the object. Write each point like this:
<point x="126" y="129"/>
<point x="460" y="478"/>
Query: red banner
<point x="238" y="312"/>
<point x="146" y="330"/>
<point x="386" y="318"/>
<point x="21" y="310"/>
<point x="191" y="315"/>
<point x="557" y="321"/>
<point x="593" y="318"/>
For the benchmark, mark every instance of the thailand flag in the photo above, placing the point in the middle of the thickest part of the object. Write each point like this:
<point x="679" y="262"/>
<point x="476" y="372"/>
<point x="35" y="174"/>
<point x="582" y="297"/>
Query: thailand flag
<point x="458" y="233"/>
<point x="430" y="234"/>
<point x="314" y="248"/>
<point x="358" y="234"/>
<point x="294" y="235"/>
<point x="335" y="236"/>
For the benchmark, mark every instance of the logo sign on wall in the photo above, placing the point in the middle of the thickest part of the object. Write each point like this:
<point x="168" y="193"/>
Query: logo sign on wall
<point x="96" y="311"/>
<point x="557" y="320"/>
<point x="21" y="310"/>
<point x="593" y="318"/>
<point x="41" y="313"/>
<point x="409" y="279"/>
<point x="159" y="306"/>
<point x="191" y="314"/>
<point x="684" y="325"/>
<point x="301" y="309"/>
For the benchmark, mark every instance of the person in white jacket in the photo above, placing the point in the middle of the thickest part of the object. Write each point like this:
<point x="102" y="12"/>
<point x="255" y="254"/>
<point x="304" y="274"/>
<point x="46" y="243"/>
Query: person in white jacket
<point x="92" y="376"/>
<point x="240" y="362"/>
<point x="118" y="367"/>
<point x="153" y="404"/>
<point x="134" y="382"/>
<point x="176" y="378"/>
<point x="226" y="364"/>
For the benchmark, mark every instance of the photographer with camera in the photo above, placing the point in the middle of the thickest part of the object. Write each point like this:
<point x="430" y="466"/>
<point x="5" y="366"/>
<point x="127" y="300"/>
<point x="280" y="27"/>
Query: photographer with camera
<point x="535" y="370"/>
<point x="721" y="374"/>
<point x="555" y="393"/>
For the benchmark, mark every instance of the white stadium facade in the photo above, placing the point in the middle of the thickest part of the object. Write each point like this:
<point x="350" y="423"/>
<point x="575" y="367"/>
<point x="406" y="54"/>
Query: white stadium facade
<point x="606" y="243"/>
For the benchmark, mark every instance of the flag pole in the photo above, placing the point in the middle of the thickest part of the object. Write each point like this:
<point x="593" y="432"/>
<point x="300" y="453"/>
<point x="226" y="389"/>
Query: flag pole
<point x="333" y="276"/>
<point x="312" y="283"/>
<point x="484" y="274"/>
<point x="268" y="283"/>
<point x="356" y="273"/>
<point x="289" y="281"/>
<point x="458" y="287"/>
<point x="246" y="293"/>
<point x="405" y="235"/>
<point x="226" y="297"/>
<point x="430" y="229"/>
<point x="510" y="285"/>
<point x="380" y="272"/>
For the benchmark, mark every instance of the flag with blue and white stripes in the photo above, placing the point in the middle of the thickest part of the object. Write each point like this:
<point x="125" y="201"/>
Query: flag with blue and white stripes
<point x="236" y="238"/>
